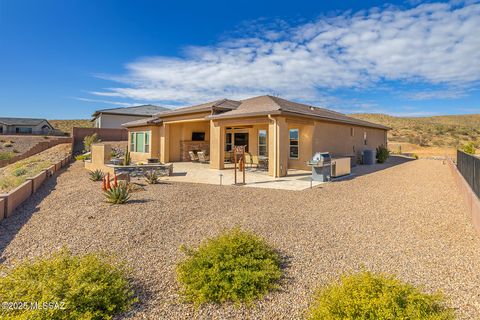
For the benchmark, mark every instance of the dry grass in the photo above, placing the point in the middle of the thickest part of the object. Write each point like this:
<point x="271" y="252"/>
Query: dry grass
<point x="440" y="132"/>
<point x="15" y="174"/>
<point x="67" y="125"/>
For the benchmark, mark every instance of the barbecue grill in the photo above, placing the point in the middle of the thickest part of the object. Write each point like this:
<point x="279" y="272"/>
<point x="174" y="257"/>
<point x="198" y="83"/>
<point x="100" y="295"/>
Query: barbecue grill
<point x="321" y="166"/>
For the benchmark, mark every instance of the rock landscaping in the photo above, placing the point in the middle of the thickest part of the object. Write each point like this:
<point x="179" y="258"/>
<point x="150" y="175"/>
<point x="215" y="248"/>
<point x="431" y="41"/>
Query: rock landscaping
<point x="407" y="220"/>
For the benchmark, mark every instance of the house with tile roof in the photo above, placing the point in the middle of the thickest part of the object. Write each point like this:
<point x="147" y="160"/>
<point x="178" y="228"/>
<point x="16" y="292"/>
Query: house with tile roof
<point x="284" y="133"/>
<point x="114" y="117"/>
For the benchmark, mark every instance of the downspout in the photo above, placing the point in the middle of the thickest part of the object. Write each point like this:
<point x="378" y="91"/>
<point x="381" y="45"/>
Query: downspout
<point x="275" y="145"/>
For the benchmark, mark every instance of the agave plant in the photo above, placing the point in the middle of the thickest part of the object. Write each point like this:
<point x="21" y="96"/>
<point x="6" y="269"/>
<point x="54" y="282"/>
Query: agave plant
<point x="119" y="194"/>
<point x="96" y="175"/>
<point x="151" y="176"/>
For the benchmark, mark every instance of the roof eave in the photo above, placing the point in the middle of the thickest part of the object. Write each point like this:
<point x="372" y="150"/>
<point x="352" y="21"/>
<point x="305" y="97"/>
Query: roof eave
<point x="367" y="124"/>
<point x="244" y="115"/>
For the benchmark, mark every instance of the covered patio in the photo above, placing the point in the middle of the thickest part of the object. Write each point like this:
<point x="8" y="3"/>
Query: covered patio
<point x="201" y="173"/>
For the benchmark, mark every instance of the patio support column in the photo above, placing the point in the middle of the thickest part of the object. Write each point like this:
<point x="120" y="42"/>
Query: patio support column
<point x="217" y="144"/>
<point x="278" y="147"/>
<point x="164" y="143"/>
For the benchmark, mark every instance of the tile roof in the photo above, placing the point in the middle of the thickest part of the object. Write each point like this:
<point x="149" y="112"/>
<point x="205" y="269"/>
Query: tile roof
<point x="143" y="110"/>
<point x="261" y="105"/>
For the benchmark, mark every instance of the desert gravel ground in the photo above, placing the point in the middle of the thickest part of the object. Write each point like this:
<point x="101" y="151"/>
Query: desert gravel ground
<point x="407" y="220"/>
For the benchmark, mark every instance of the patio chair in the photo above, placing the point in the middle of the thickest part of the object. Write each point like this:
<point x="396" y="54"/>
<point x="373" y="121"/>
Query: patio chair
<point x="249" y="159"/>
<point x="202" y="157"/>
<point x="193" y="156"/>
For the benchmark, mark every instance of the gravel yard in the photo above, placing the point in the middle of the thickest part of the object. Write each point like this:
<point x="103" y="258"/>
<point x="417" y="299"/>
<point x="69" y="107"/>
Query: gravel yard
<point x="407" y="220"/>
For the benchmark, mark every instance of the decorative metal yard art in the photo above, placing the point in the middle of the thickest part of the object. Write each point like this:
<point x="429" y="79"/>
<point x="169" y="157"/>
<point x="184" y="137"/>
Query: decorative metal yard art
<point x="239" y="154"/>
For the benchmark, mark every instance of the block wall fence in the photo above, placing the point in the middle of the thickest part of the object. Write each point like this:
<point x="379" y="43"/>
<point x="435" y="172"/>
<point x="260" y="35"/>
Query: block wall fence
<point x="470" y="198"/>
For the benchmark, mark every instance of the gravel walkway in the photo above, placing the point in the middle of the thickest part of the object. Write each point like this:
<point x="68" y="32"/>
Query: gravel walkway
<point x="407" y="220"/>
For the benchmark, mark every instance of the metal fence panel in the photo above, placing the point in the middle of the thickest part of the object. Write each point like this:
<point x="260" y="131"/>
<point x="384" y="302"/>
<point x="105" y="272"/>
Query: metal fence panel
<point x="469" y="167"/>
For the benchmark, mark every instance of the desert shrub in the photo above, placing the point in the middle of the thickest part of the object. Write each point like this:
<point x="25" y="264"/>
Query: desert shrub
<point x="119" y="194"/>
<point x="89" y="140"/>
<point x="15" y="151"/>
<point x="19" y="172"/>
<point x="7" y="145"/>
<point x="96" y="175"/>
<point x="382" y="154"/>
<point x="84" y="156"/>
<point x="469" y="148"/>
<point x="46" y="137"/>
<point x="151" y="176"/>
<point x="416" y="156"/>
<point x="235" y="266"/>
<point x="5" y="155"/>
<point x="91" y="286"/>
<point x="374" y="296"/>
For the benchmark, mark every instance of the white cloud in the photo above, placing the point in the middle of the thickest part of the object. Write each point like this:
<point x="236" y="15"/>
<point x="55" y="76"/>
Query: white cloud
<point x="435" y="43"/>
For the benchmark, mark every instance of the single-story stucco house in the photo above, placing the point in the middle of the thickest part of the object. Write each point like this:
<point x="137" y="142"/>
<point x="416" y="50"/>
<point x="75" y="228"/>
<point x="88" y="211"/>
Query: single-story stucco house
<point x="285" y="132"/>
<point x="25" y="126"/>
<point x="115" y="117"/>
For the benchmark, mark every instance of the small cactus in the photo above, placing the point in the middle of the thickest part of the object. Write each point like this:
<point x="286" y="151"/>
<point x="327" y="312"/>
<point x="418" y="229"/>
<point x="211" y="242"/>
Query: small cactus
<point x="126" y="159"/>
<point x="151" y="177"/>
<point x="96" y="175"/>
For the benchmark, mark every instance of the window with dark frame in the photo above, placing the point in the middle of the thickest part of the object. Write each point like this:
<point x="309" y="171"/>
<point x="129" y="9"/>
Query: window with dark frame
<point x="294" y="137"/>
<point x="262" y="143"/>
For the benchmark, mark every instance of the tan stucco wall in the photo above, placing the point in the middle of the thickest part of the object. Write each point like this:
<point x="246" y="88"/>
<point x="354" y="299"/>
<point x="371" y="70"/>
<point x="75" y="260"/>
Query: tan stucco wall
<point x="183" y="132"/>
<point x="336" y="138"/>
<point x="154" y="143"/>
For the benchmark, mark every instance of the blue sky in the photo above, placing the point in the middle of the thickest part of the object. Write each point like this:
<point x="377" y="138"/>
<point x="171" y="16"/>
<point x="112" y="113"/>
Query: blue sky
<point x="65" y="59"/>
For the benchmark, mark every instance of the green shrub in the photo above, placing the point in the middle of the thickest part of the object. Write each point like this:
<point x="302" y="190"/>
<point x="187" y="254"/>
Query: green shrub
<point x="119" y="194"/>
<point x="416" y="156"/>
<point x="151" y="176"/>
<point x="96" y="175"/>
<point x="235" y="266"/>
<point x="369" y="296"/>
<point x="469" y="148"/>
<point x="19" y="172"/>
<point x="84" y="156"/>
<point x="89" y="140"/>
<point x="382" y="154"/>
<point x="6" y="155"/>
<point x="77" y="287"/>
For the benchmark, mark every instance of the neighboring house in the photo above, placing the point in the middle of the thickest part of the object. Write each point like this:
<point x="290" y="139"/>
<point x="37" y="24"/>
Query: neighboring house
<point x="25" y="126"/>
<point x="286" y="133"/>
<point x="114" y="118"/>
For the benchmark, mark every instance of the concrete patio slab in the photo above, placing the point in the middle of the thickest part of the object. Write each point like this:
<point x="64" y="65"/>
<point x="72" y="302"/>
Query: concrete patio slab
<point x="201" y="173"/>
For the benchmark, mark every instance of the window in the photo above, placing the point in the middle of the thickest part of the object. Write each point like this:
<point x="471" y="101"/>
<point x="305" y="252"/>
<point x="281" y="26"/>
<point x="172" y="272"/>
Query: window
<point x="23" y="130"/>
<point x="352" y="131"/>
<point x="140" y="141"/>
<point x="228" y="142"/>
<point x="365" y="137"/>
<point x="293" y="143"/>
<point x="262" y="143"/>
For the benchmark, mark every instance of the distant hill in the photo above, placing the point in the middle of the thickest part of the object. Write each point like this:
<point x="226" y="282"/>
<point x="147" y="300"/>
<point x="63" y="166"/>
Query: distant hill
<point x="438" y="131"/>
<point x="67" y="125"/>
